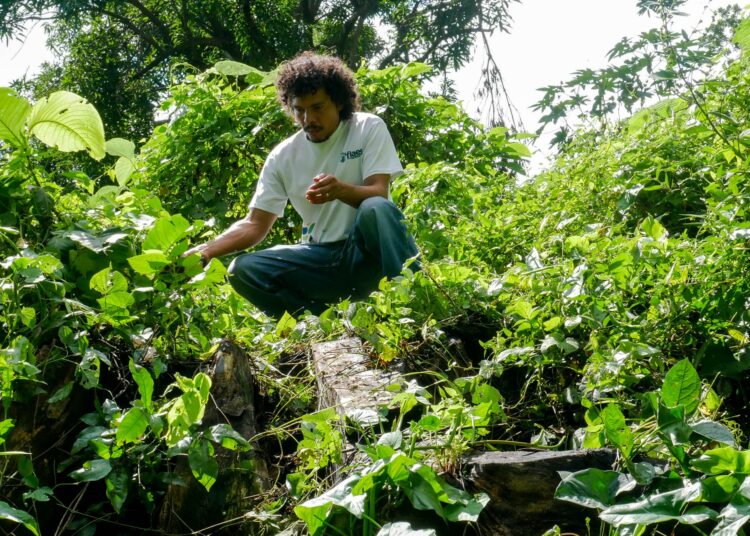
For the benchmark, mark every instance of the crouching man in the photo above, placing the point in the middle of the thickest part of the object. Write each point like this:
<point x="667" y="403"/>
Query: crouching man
<point x="335" y="171"/>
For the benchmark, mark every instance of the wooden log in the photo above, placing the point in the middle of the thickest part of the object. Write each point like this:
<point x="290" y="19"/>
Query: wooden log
<point x="243" y="476"/>
<point x="522" y="484"/>
<point x="346" y="378"/>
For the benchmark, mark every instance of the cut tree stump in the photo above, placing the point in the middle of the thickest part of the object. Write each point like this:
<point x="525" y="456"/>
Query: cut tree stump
<point x="346" y="380"/>
<point x="243" y="476"/>
<point x="521" y="484"/>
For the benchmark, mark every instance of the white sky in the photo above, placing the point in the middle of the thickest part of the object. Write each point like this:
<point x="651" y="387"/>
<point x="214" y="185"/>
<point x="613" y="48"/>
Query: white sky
<point x="549" y="40"/>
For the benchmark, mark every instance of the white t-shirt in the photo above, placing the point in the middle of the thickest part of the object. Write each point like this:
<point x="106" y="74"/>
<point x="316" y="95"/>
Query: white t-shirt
<point x="360" y="147"/>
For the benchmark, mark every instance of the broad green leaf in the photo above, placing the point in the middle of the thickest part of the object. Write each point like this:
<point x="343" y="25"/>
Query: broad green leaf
<point x="118" y="484"/>
<point x="61" y="394"/>
<point x="714" y="431"/>
<point x="28" y="317"/>
<point x="92" y="470"/>
<point x="215" y="272"/>
<point x="314" y="512"/>
<point x="723" y="460"/>
<point x="720" y="488"/>
<point x="203" y="464"/>
<point x="132" y="426"/>
<point x="144" y="381"/>
<point x="124" y="168"/>
<point x="13" y="113"/>
<point x="115" y="302"/>
<point x="660" y="507"/>
<point x="401" y="528"/>
<point x="9" y="513"/>
<point x="682" y="387"/>
<point x="97" y="244"/>
<point x="593" y="487"/>
<point x="89" y="368"/>
<point x="411" y="70"/>
<point x="732" y="518"/>
<point x="285" y="325"/>
<point x="224" y="435"/>
<point x="68" y="122"/>
<point x="232" y="68"/>
<point x="165" y="232"/>
<point x="616" y="429"/>
<point x="120" y="147"/>
<point x="149" y="262"/>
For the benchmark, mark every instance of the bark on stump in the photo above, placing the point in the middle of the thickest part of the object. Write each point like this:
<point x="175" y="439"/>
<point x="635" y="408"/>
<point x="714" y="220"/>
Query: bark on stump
<point x="243" y="476"/>
<point x="521" y="486"/>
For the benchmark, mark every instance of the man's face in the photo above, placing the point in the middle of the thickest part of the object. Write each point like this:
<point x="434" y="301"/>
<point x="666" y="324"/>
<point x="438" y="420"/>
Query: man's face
<point x="317" y="114"/>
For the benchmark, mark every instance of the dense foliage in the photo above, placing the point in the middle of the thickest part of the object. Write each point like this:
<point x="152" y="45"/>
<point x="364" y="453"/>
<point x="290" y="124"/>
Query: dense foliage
<point x="603" y="303"/>
<point x="119" y="54"/>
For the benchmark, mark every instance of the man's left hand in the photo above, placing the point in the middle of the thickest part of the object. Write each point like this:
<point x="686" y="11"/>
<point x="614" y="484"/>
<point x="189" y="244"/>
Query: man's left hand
<point x="324" y="188"/>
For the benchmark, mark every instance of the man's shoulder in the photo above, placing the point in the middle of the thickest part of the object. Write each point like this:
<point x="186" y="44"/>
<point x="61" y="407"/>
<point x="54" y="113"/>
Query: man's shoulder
<point x="365" y="118"/>
<point x="286" y="144"/>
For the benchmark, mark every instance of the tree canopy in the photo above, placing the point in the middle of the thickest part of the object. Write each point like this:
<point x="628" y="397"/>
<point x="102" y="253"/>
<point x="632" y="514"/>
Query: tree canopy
<point x="125" y="48"/>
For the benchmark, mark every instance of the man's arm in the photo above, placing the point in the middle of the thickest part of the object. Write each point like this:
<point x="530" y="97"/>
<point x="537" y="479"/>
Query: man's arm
<point x="242" y="234"/>
<point x="327" y="188"/>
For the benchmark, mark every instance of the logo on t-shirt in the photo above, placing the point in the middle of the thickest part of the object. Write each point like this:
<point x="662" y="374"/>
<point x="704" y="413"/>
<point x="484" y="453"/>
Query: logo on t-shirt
<point x="350" y="155"/>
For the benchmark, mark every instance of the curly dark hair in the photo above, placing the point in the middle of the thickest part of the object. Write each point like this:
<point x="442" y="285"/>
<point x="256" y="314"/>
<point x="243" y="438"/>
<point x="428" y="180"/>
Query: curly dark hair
<point x="309" y="72"/>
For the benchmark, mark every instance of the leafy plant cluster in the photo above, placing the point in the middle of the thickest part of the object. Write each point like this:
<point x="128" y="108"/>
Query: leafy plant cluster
<point x="603" y="303"/>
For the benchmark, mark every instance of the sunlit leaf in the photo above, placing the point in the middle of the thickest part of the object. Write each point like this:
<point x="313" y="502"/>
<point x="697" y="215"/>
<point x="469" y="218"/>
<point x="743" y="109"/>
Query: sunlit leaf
<point x="68" y="122"/>
<point x="13" y="112"/>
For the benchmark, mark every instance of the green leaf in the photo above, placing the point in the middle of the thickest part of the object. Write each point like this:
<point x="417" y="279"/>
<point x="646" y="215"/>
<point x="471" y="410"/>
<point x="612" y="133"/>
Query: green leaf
<point x="149" y="262"/>
<point x="144" y="381"/>
<point x="593" y="487"/>
<point x="9" y="513"/>
<point x="202" y="463"/>
<point x="732" y="518"/>
<point x="120" y="147"/>
<point x="616" y="429"/>
<point x="660" y="507"/>
<point x="61" y="394"/>
<point x="89" y="368"/>
<point x="68" y="122"/>
<point x="165" y="232"/>
<point x="132" y="426"/>
<point x="28" y="317"/>
<point x="723" y="460"/>
<point x="224" y="435"/>
<point x="124" y="168"/>
<point x="13" y="113"/>
<point x="118" y="485"/>
<point x="92" y="470"/>
<point x="411" y="70"/>
<point x="714" y="431"/>
<point x="682" y="387"/>
<point x="315" y="512"/>
<point x="215" y="272"/>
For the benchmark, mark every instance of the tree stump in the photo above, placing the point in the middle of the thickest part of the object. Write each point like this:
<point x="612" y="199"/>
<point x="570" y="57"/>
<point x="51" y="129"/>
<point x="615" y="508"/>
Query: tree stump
<point x="243" y="476"/>
<point x="522" y="484"/>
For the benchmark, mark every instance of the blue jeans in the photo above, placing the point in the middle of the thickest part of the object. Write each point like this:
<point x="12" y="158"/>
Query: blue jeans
<point x="310" y="276"/>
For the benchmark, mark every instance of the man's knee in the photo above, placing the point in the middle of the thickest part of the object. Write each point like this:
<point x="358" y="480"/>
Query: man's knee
<point x="241" y="269"/>
<point x="372" y="207"/>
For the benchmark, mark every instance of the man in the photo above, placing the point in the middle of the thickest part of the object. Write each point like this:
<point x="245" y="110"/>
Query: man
<point x="335" y="171"/>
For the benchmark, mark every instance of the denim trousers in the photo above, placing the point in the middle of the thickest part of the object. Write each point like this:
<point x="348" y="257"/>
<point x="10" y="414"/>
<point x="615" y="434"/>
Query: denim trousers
<point x="301" y="277"/>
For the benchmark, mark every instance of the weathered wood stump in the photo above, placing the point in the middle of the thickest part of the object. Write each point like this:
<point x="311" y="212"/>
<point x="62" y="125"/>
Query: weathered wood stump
<point x="522" y="484"/>
<point x="345" y="378"/>
<point x="243" y="476"/>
